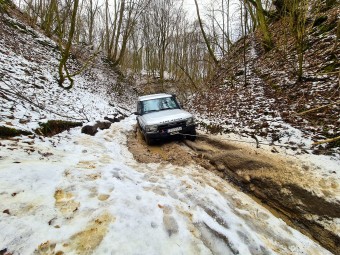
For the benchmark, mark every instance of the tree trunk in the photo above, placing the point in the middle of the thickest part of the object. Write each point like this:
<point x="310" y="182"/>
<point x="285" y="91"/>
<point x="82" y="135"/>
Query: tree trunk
<point x="65" y="53"/>
<point x="267" y="40"/>
<point x="211" y="53"/>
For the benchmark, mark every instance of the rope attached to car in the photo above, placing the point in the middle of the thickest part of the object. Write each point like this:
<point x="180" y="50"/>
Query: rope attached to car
<point x="256" y="142"/>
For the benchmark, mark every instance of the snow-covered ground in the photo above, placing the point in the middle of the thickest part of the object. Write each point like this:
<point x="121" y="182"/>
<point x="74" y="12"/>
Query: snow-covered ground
<point x="81" y="195"/>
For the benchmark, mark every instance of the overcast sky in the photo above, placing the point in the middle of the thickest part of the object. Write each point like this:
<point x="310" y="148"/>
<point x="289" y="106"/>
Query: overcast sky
<point x="189" y="6"/>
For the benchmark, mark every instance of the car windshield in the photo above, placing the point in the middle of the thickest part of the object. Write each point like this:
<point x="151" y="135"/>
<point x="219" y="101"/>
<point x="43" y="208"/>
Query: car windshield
<point x="159" y="104"/>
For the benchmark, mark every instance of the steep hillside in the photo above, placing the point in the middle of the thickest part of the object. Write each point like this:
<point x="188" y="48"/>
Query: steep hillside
<point x="266" y="101"/>
<point x="29" y="91"/>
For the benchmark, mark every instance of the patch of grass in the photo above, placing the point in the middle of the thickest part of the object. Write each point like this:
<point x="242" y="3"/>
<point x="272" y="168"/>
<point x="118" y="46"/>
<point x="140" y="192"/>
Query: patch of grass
<point x="319" y="20"/>
<point x="307" y="45"/>
<point x="53" y="127"/>
<point x="4" y="5"/>
<point x="11" y="132"/>
<point x="331" y="67"/>
<point x="326" y="27"/>
<point x="335" y="144"/>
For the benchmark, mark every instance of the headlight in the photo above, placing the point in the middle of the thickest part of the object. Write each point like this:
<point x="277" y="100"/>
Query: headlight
<point x="190" y="121"/>
<point x="151" y="128"/>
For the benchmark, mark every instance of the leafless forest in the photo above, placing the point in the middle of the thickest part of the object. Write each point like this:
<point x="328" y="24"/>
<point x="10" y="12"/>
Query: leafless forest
<point x="159" y="38"/>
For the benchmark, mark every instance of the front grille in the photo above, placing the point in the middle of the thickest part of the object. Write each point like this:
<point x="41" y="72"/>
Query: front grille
<point x="171" y="125"/>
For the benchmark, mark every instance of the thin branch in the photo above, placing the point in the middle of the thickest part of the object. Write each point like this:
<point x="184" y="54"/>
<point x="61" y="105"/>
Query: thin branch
<point x="317" y="108"/>
<point x="327" y="140"/>
<point x="19" y="95"/>
<point x="188" y="75"/>
<point x="211" y="53"/>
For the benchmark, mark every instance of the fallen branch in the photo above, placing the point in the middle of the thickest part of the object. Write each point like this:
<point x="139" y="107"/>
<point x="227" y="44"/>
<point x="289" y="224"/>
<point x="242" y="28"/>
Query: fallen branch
<point x="119" y="111"/>
<point x="42" y="107"/>
<point x="335" y="72"/>
<point x="317" y="108"/>
<point x="257" y="141"/>
<point x="327" y="140"/>
<point x="188" y="75"/>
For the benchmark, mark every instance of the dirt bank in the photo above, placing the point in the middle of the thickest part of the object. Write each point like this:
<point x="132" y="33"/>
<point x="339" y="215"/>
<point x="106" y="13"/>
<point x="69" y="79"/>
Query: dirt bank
<point x="284" y="185"/>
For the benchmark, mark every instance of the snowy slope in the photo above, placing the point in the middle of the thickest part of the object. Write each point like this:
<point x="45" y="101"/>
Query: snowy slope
<point x="263" y="97"/>
<point x="29" y="92"/>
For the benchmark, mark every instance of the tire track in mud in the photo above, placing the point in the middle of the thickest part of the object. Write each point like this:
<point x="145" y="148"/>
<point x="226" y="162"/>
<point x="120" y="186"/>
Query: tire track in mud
<point x="281" y="185"/>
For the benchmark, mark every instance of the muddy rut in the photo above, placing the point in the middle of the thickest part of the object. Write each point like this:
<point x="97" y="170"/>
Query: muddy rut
<point x="278" y="183"/>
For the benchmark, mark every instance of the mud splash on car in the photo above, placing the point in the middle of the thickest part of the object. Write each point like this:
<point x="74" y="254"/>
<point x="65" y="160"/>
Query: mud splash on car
<point x="281" y="184"/>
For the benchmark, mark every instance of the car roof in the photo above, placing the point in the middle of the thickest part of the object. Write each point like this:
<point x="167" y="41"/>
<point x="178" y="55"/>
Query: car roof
<point x="153" y="96"/>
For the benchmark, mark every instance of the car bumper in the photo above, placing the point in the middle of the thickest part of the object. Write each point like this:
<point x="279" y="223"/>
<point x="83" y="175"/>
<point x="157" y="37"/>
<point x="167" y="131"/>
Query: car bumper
<point x="163" y="133"/>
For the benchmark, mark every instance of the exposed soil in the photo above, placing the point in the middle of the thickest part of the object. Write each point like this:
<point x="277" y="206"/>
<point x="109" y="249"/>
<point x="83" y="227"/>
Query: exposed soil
<point x="283" y="185"/>
<point x="171" y="152"/>
<point x="83" y="242"/>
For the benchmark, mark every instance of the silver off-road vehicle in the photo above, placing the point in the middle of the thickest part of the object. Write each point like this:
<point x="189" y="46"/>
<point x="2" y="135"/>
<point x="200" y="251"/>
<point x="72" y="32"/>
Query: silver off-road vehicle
<point x="160" y="116"/>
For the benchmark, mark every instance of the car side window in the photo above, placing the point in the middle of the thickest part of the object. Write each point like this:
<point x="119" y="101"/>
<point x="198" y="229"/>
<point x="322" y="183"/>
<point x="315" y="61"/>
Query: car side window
<point x="139" y="108"/>
<point x="168" y="103"/>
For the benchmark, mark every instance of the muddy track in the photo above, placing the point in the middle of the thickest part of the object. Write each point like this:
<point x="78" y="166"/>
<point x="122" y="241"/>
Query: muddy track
<point x="281" y="185"/>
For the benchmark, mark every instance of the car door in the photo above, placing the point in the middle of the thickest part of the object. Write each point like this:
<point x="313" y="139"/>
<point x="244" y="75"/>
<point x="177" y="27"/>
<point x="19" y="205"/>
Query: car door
<point x="140" y="121"/>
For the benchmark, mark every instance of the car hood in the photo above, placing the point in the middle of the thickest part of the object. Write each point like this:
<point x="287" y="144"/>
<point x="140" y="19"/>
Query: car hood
<point x="165" y="116"/>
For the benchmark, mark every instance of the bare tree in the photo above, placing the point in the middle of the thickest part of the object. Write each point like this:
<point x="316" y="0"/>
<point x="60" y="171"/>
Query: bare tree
<point x="118" y="28"/>
<point x="211" y="52"/>
<point x="298" y="10"/>
<point x="92" y="10"/>
<point x="65" y="51"/>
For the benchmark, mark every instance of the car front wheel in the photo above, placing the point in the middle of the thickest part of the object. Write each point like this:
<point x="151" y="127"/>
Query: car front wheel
<point x="148" y="140"/>
<point x="192" y="136"/>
